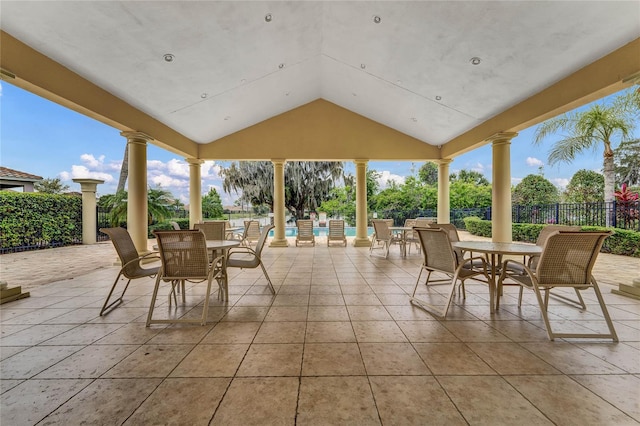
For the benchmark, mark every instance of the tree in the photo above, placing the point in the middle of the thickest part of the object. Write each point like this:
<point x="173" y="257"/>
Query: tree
<point x="428" y="173"/>
<point x="469" y="176"/>
<point x="586" y="186"/>
<point x="124" y="169"/>
<point x="627" y="157"/>
<point x="212" y="205"/>
<point x="534" y="190"/>
<point x="465" y="195"/>
<point x="599" y="126"/>
<point x="50" y="186"/>
<point x="307" y="183"/>
<point x="158" y="206"/>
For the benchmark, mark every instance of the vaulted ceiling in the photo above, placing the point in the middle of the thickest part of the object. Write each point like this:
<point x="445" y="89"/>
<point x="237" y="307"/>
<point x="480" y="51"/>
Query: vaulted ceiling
<point x="431" y="79"/>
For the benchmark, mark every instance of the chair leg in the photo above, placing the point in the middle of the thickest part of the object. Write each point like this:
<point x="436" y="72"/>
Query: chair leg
<point x="153" y="300"/>
<point x="543" y="311"/>
<point x="264" y="271"/>
<point x="605" y="311"/>
<point x="116" y="302"/>
<point x="205" y="310"/>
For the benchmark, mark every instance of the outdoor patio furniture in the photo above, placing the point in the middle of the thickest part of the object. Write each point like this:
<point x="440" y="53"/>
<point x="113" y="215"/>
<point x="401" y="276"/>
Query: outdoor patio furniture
<point x="175" y="225"/>
<point x="305" y="232"/>
<point x="336" y="232"/>
<point x="245" y="257"/>
<point x="213" y="230"/>
<point x="130" y="261"/>
<point x="439" y="257"/>
<point x="382" y="237"/>
<point x="185" y="257"/>
<point x="251" y="232"/>
<point x="410" y="237"/>
<point x="566" y="262"/>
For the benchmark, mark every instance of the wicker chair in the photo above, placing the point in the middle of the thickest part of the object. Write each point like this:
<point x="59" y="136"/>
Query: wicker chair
<point x="305" y="232"/>
<point x="251" y="232"/>
<point x="566" y="261"/>
<point x="130" y="261"/>
<point x="213" y="230"/>
<point x="175" y="226"/>
<point x="185" y="257"/>
<point x="336" y="232"/>
<point x="410" y="237"/>
<point x="245" y="257"/>
<point x="382" y="237"/>
<point x="440" y="257"/>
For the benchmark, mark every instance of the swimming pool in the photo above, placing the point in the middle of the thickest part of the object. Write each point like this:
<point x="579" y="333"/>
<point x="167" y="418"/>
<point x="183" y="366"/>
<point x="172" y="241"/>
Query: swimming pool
<point x="349" y="231"/>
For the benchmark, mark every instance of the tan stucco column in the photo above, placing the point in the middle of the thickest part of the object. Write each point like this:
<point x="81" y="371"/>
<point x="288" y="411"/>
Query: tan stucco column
<point x="361" y="239"/>
<point x="279" y="239"/>
<point x="137" y="204"/>
<point x="195" y="191"/>
<point x="444" y="202"/>
<point x="89" y="220"/>
<point x="501" y="187"/>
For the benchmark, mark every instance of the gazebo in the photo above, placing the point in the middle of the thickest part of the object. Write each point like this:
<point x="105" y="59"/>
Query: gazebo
<point x="344" y="81"/>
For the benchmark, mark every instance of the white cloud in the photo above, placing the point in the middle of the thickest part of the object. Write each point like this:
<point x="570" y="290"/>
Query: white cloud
<point x="515" y="180"/>
<point x="0" y="89"/>
<point x="79" y="172"/>
<point x="167" y="182"/>
<point x="386" y="177"/>
<point x="178" y="168"/>
<point x="479" y="167"/>
<point x="560" y="182"/>
<point x="534" y="162"/>
<point x="211" y="170"/>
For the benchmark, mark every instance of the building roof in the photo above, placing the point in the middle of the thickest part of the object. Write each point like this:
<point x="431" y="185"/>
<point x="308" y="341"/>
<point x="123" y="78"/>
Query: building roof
<point x="10" y="174"/>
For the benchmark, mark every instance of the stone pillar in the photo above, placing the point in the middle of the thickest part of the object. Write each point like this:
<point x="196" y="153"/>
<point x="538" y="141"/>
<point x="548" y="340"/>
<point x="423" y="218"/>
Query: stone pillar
<point x="89" y="220"/>
<point x="195" y="191"/>
<point x="279" y="240"/>
<point x="137" y="203"/>
<point x="444" y="202"/>
<point x="501" y="187"/>
<point x="361" y="240"/>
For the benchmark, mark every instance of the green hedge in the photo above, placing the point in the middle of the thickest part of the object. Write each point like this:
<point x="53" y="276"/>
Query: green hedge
<point x="166" y="226"/>
<point x="39" y="220"/>
<point x="623" y="241"/>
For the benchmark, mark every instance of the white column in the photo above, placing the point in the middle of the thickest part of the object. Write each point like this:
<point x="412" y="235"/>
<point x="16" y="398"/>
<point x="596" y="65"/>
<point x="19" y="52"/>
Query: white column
<point x="137" y="204"/>
<point x="89" y="220"/>
<point x="195" y="191"/>
<point x="444" y="201"/>
<point x="501" y="187"/>
<point x="279" y="240"/>
<point x="361" y="239"/>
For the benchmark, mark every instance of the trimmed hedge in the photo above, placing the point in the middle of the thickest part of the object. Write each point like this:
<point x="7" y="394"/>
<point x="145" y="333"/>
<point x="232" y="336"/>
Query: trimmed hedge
<point x="166" y="226"/>
<point x="623" y="241"/>
<point x="37" y="220"/>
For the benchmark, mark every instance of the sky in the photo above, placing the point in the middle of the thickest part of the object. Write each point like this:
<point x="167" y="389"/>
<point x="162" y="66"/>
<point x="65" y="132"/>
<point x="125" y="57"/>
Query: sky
<point x="40" y="137"/>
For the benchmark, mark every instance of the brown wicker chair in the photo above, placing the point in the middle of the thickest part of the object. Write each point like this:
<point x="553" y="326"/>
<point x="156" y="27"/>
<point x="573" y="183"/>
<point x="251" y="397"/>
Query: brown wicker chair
<point x="251" y="232"/>
<point x="214" y="230"/>
<point x="566" y="262"/>
<point x="245" y="257"/>
<point x="305" y="232"/>
<point x="185" y="257"/>
<point x="336" y="232"/>
<point x="382" y="237"/>
<point x="130" y="261"/>
<point x="440" y="257"/>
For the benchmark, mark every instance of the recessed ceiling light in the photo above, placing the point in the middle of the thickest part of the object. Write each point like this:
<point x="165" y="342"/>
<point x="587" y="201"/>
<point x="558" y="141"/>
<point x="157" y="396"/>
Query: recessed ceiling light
<point x="286" y="93"/>
<point x="354" y="93"/>
<point x="475" y="60"/>
<point x="363" y="66"/>
<point x="168" y="57"/>
<point x="268" y="17"/>
<point x="377" y="19"/>
<point x="203" y="96"/>
<point x="281" y="66"/>
<point x="438" y="98"/>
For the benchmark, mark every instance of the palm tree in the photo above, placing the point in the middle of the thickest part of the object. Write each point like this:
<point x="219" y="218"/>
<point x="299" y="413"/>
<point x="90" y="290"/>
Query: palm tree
<point x="590" y="129"/>
<point x="158" y="201"/>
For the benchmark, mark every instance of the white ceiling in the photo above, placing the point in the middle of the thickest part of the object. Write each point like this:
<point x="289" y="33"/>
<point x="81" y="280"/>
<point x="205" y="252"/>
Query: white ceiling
<point x="411" y="71"/>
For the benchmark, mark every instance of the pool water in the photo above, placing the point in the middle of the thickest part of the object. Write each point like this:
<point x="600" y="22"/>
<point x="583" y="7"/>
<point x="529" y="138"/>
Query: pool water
<point x="349" y="231"/>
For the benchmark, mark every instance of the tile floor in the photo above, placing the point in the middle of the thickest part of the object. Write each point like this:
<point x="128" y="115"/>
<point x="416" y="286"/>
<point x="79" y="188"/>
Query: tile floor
<point x="339" y="344"/>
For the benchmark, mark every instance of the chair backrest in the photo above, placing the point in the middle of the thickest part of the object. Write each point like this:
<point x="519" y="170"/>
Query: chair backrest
<point x="251" y="230"/>
<point x="410" y="223"/>
<point x="125" y="248"/>
<point x="423" y="222"/>
<point x="550" y="229"/>
<point x="451" y="229"/>
<point x="436" y="249"/>
<point x="568" y="257"/>
<point x="263" y="238"/>
<point x="381" y="228"/>
<point x="175" y="225"/>
<point x="183" y="254"/>
<point x="305" y="228"/>
<point x="389" y="222"/>
<point x="336" y="228"/>
<point x="212" y="230"/>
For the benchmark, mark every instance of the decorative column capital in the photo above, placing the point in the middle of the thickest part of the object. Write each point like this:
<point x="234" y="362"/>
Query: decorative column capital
<point x="88" y="185"/>
<point x="136" y="137"/>
<point x="502" y="137"/>
<point x="194" y="161"/>
<point x="361" y="161"/>
<point x="443" y="161"/>
<point x="281" y="161"/>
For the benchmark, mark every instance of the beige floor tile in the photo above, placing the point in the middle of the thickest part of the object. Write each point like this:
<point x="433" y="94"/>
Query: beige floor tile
<point x="496" y="404"/>
<point x="188" y="401"/>
<point x="368" y="313"/>
<point x="408" y="313"/>
<point x="287" y="313"/>
<point x="426" y="331"/>
<point x="150" y="361"/>
<point x="326" y="299"/>
<point x="622" y="356"/>
<point x="566" y="402"/>
<point x="332" y="359"/>
<point x="105" y="401"/>
<point x="336" y="401"/>
<point x="392" y="359"/>
<point x="211" y="361"/>
<point x="131" y="334"/>
<point x="32" y="400"/>
<point x="255" y="300"/>
<point x="452" y="359"/>
<point x="520" y="331"/>
<point x="511" y="358"/>
<point x="82" y="335"/>
<point x="328" y="313"/>
<point x="281" y="332"/>
<point x="246" y="313"/>
<point x="333" y="331"/>
<point x="6" y="385"/>
<point x="260" y="400"/>
<point x="474" y="331"/>
<point x="323" y="288"/>
<point x="272" y="360"/>
<point x="77" y="316"/>
<point x="410" y="400"/>
<point x="180" y="334"/>
<point x="571" y="359"/>
<point x="378" y="331"/>
<point x="232" y="332"/>
<point x="621" y="391"/>
<point x="89" y="362"/>
<point x="32" y="361"/>
<point x="34" y="335"/>
<point x="9" y="351"/>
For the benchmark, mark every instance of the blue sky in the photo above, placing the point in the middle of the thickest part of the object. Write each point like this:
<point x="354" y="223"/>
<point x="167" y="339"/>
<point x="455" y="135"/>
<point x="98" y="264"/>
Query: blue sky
<point x="43" y="138"/>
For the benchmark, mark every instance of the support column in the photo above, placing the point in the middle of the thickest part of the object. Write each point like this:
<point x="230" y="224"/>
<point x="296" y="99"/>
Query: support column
<point x="444" y="201"/>
<point x="279" y="239"/>
<point x="89" y="220"/>
<point x="137" y="203"/>
<point x="501" y="187"/>
<point x="361" y="240"/>
<point x="195" y="191"/>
